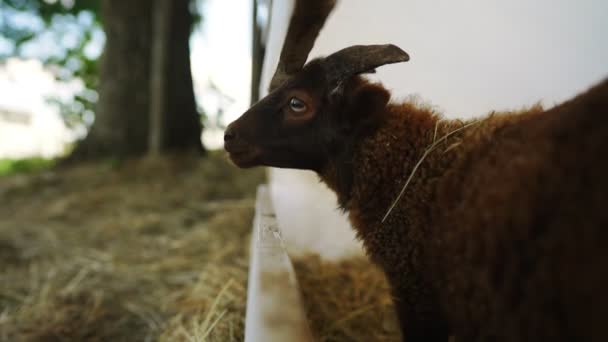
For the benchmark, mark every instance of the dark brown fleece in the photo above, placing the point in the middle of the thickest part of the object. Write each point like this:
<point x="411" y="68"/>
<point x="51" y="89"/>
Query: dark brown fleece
<point x="502" y="234"/>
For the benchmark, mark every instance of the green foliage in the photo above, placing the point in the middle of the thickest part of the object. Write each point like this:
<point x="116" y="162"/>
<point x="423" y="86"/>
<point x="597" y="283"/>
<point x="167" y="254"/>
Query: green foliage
<point x="15" y="166"/>
<point x="66" y="36"/>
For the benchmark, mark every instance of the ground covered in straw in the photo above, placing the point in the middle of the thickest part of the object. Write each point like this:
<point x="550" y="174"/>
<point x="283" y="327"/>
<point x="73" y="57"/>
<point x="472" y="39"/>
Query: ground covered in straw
<point x="131" y="251"/>
<point x="347" y="300"/>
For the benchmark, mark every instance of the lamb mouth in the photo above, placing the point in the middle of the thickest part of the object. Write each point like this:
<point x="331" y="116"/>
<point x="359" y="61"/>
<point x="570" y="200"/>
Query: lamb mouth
<point x="244" y="158"/>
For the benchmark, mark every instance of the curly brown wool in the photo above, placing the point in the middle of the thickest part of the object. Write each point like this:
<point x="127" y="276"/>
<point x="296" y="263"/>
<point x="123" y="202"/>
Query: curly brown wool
<point x="502" y="234"/>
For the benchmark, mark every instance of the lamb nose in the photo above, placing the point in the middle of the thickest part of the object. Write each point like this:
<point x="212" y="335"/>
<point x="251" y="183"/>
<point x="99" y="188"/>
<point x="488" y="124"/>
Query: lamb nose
<point x="229" y="134"/>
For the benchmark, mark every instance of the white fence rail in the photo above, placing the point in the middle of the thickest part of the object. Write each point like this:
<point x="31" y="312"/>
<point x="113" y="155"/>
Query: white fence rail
<point x="274" y="306"/>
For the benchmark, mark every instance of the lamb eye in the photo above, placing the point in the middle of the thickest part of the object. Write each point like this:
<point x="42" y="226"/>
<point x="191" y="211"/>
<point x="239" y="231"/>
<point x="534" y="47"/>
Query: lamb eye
<point x="297" y="105"/>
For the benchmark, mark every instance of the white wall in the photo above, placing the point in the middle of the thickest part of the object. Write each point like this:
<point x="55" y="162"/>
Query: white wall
<point x="468" y="57"/>
<point x="471" y="56"/>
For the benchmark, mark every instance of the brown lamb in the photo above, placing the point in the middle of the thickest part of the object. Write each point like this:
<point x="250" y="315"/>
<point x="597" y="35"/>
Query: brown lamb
<point x="501" y="233"/>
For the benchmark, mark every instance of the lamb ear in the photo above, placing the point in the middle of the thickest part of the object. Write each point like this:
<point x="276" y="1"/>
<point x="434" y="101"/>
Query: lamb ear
<point x="359" y="59"/>
<point x="368" y="100"/>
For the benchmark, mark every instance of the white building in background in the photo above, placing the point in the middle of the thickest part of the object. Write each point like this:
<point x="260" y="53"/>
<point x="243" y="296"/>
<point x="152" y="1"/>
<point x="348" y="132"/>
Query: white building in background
<point x="29" y="126"/>
<point x="467" y="58"/>
<point x="25" y="135"/>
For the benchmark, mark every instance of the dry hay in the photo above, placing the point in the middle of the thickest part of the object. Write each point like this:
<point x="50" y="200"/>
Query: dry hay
<point x="348" y="300"/>
<point x="137" y="251"/>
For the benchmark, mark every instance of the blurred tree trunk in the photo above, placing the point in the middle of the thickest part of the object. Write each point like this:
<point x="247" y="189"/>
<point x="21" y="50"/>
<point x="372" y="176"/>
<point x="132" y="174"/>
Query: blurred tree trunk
<point x="161" y="23"/>
<point x="182" y="124"/>
<point x="122" y="122"/>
